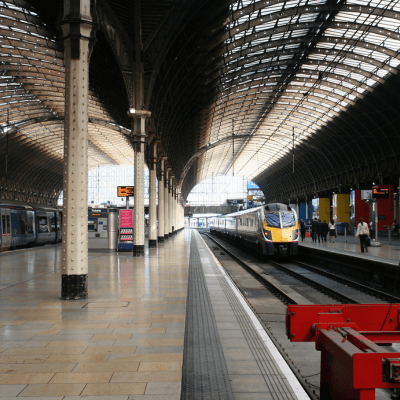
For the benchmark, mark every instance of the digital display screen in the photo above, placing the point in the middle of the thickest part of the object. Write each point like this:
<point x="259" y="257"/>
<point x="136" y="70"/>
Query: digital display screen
<point x="380" y="192"/>
<point x="126" y="191"/>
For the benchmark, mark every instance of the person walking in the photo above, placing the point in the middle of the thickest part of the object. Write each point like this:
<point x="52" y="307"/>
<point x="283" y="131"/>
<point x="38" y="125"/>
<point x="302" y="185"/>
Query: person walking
<point x="362" y="233"/>
<point x="302" y="230"/>
<point x="314" y="230"/>
<point x="332" y="231"/>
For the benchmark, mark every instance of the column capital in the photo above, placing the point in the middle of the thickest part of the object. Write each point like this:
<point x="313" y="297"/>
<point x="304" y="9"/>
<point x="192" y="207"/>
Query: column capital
<point x="79" y="22"/>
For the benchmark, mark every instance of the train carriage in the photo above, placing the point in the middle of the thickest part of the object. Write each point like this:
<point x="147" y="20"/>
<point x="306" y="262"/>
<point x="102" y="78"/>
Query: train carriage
<point x="271" y="229"/>
<point x="25" y="224"/>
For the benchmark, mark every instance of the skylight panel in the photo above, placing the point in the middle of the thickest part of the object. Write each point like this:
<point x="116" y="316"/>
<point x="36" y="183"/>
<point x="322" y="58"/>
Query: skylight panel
<point x="309" y="17"/>
<point x="391" y="44"/>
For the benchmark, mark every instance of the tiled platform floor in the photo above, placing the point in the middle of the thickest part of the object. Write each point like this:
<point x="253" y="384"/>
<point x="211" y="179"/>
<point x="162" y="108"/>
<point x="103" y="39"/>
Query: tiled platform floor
<point x="387" y="253"/>
<point x="125" y="341"/>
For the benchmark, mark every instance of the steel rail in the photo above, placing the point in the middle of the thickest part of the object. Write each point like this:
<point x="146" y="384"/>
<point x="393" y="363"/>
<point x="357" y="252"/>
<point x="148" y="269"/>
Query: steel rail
<point x="319" y="286"/>
<point x="281" y="294"/>
<point x="349" y="282"/>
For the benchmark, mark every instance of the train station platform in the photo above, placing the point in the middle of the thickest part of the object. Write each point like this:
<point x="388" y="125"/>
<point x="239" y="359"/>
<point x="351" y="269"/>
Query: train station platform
<point x="170" y="325"/>
<point x="350" y="246"/>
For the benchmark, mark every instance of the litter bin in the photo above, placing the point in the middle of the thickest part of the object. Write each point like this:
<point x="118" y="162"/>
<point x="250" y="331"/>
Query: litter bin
<point x="341" y="227"/>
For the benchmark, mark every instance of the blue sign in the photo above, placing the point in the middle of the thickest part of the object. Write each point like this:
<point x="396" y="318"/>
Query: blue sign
<point x="252" y="185"/>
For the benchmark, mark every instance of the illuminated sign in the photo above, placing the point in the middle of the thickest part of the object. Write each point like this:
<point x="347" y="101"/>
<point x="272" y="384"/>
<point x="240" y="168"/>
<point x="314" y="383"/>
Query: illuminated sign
<point x="126" y="191"/>
<point x="380" y="192"/>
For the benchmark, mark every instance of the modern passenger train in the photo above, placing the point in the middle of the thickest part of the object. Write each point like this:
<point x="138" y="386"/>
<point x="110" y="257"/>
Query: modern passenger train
<point x="271" y="229"/>
<point x="27" y="224"/>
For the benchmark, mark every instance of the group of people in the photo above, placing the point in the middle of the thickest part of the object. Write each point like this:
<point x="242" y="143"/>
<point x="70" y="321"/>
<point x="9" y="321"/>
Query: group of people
<point x="319" y="230"/>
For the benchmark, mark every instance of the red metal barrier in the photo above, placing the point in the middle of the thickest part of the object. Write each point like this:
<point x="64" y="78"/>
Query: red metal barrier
<point x="352" y="364"/>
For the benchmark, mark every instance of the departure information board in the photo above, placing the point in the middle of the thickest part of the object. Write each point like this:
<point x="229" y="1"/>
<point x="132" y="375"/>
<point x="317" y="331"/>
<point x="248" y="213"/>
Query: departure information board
<point x="380" y="192"/>
<point x="126" y="191"/>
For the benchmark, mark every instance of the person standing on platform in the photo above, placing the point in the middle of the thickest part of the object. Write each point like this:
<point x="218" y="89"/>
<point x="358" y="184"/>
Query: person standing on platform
<point x="302" y="230"/>
<point x="325" y="230"/>
<point x="314" y="230"/>
<point x="319" y="231"/>
<point x="332" y="231"/>
<point x="362" y="233"/>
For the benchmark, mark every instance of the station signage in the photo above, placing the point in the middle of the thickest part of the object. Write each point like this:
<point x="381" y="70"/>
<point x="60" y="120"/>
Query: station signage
<point x="126" y="191"/>
<point x="380" y="192"/>
<point x="126" y="218"/>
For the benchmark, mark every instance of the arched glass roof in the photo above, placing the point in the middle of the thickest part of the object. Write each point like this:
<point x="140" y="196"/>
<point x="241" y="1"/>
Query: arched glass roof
<point x="232" y="87"/>
<point x="32" y="104"/>
<point x="291" y="67"/>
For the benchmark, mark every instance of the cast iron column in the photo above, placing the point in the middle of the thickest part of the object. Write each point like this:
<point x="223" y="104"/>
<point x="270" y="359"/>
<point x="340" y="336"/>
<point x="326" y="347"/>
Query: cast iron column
<point x="139" y="132"/>
<point x="78" y="35"/>
<point x="161" y="218"/>
<point x="170" y="204"/>
<point x="153" y="200"/>
<point x="166" y="202"/>
<point x="175" y="225"/>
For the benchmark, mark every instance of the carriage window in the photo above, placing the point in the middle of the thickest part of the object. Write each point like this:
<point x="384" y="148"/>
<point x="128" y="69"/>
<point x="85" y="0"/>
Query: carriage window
<point x="288" y="219"/>
<point x="3" y="225"/>
<point x="272" y="219"/>
<point x="8" y="224"/>
<point x="251" y="222"/>
<point x="43" y="228"/>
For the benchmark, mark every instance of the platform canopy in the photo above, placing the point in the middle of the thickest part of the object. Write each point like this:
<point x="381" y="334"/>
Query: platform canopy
<point x="301" y="96"/>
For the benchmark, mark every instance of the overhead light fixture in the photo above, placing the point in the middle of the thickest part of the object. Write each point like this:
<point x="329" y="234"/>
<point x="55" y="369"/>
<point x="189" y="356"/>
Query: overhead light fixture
<point x="373" y="183"/>
<point x="144" y="113"/>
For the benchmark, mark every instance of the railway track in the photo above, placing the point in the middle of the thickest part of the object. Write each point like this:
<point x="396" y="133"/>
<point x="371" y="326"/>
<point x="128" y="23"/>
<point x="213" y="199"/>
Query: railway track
<point x="290" y="282"/>
<point x="340" y="289"/>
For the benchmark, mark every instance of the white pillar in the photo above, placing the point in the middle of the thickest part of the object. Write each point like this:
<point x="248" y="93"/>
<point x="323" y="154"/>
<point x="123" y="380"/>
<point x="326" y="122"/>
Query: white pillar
<point x="139" y="126"/>
<point x="153" y="199"/>
<point x="78" y="37"/>
<point x="166" y="202"/>
<point x="173" y="211"/>
<point x="170" y="203"/>
<point x="161" y="218"/>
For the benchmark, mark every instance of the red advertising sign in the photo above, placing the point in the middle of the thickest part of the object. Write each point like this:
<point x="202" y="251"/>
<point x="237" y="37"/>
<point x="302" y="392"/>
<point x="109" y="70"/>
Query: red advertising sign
<point x="126" y="218"/>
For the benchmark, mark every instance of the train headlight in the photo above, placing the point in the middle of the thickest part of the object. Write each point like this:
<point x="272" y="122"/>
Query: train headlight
<point x="268" y="234"/>
<point x="295" y="235"/>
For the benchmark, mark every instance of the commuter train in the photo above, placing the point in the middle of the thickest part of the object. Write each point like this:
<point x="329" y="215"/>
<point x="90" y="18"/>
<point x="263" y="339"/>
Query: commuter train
<point x="26" y="224"/>
<point x="271" y="229"/>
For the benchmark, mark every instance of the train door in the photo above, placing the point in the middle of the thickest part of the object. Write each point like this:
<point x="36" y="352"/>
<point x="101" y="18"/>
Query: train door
<point x="5" y="216"/>
<point x="58" y="218"/>
<point x="53" y="227"/>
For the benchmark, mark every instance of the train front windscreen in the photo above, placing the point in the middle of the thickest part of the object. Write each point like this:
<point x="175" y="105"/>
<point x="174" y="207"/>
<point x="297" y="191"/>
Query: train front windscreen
<point x="280" y="219"/>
